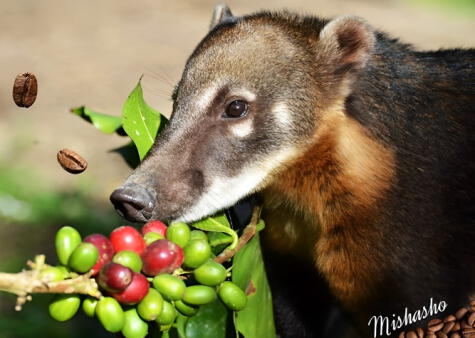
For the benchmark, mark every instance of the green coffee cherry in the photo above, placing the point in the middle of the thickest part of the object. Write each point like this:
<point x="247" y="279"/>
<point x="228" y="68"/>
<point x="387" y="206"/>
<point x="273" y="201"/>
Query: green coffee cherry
<point x="89" y="306"/>
<point x="165" y="327"/>
<point x="232" y="296"/>
<point x="171" y="287"/>
<point x="179" y="233"/>
<point x="129" y="259"/>
<point x="83" y="257"/>
<point x="64" y="307"/>
<point x="199" y="295"/>
<point x="151" y="305"/>
<point x="134" y="326"/>
<point x="198" y="234"/>
<point x="110" y="314"/>
<point x="53" y="273"/>
<point x="210" y="273"/>
<point x="196" y="253"/>
<point x="67" y="239"/>
<point x="168" y="314"/>
<point x="185" y="309"/>
<point x="151" y="237"/>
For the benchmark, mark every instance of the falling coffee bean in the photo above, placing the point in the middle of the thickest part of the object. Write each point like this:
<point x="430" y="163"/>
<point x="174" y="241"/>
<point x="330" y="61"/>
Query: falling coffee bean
<point x="71" y="161"/>
<point x="25" y="89"/>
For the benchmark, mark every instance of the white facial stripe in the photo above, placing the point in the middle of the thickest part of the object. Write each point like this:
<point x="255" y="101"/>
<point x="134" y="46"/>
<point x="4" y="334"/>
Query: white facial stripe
<point x="246" y="94"/>
<point x="282" y="114"/>
<point x="242" y="128"/>
<point x="225" y="191"/>
<point x="205" y="97"/>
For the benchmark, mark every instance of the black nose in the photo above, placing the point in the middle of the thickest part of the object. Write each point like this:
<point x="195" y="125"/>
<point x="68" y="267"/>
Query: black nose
<point x="133" y="202"/>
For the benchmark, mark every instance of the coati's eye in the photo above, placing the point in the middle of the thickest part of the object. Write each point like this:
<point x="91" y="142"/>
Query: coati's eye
<point x="237" y="108"/>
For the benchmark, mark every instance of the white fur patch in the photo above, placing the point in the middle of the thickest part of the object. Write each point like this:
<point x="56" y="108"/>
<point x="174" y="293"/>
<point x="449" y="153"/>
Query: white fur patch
<point x="246" y="94"/>
<point x="205" y="97"/>
<point x="226" y="191"/>
<point x="242" y="128"/>
<point x="282" y="114"/>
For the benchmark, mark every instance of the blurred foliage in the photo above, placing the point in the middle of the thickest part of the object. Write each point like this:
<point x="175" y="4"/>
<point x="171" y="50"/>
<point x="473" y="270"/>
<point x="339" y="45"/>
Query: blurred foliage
<point x="31" y="211"/>
<point x="459" y="7"/>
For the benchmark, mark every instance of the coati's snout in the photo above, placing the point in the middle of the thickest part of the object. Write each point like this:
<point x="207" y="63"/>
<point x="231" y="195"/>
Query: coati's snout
<point x="248" y="103"/>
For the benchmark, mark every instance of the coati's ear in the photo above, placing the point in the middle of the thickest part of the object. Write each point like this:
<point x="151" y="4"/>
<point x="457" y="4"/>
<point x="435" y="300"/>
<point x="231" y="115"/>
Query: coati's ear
<point x="221" y="13"/>
<point x="348" y="41"/>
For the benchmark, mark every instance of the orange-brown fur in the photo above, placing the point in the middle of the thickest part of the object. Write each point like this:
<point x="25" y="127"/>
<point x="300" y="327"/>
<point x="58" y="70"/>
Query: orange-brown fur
<point x="332" y="189"/>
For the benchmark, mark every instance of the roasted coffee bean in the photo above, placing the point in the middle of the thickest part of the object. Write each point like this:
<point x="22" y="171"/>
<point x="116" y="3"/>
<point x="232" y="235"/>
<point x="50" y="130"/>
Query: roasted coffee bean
<point x="420" y="333"/>
<point x="25" y="89"/>
<point x="468" y="332"/>
<point x="435" y="325"/>
<point x="450" y="318"/>
<point x="465" y="325"/>
<point x="402" y="335"/>
<point x="440" y="334"/>
<point x="411" y="334"/>
<point x="448" y="327"/>
<point x="430" y="335"/>
<point x="461" y="312"/>
<point x="455" y="335"/>
<point x="71" y="161"/>
<point x="471" y="319"/>
<point x="456" y="327"/>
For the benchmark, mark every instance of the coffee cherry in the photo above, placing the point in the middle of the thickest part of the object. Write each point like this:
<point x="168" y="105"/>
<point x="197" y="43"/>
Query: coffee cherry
<point x="168" y="314"/>
<point x="185" y="309"/>
<point x="232" y="296"/>
<point x="210" y="273"/>
<point x="127" y="238"/>
<point x="134" y="326"/>
<point x="171" y="287"/>
<point x="179" y="233"/>
<point x="135" y="292"/>
<point x="199" y="295"/>
<point x="89" y="306"/>
<point x="54" y="274"/>
<point x="154" y="226"/>
<point x="198" y="234"/>
<point x="161" y="256"/>
<point x="164" y="328"/>
<point x="106" y="251"/>
<point x="110" y="314"/>
<point x="114" y="277"/>
<point x="83" y="258"/>
<point x="151" y="305"/>
<point x="196" y="253"/>
<point x="66" y="240"/>
<point x="64" y="307"/>
<point x="129" y="259"/>
<point x="151" y="237"/>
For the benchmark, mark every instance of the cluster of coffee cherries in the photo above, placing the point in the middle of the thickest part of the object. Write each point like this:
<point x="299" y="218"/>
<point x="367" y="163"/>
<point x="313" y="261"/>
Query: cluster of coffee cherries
<point x="153" y="276"/>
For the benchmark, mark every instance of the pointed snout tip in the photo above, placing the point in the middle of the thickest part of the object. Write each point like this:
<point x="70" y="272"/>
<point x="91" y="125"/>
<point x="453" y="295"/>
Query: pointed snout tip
<point x="133" y="202"/>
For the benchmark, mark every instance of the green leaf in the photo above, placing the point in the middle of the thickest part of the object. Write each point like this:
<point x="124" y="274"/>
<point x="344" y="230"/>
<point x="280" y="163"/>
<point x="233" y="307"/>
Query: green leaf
<point x="256" y="320"/>
<point x="140" y="121"/>
<point x="106" y="123"/>
<point x="219" y="238"/>
<point x="209" y="321"/>
<point x="219" y="224"/>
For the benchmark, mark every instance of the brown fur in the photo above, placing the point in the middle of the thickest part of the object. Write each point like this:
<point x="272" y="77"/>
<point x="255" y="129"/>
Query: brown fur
<point x="335" y="185"/>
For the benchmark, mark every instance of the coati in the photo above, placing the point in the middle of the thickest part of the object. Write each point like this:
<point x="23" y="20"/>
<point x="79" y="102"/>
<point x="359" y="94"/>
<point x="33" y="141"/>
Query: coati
<point x="361" y="148"/>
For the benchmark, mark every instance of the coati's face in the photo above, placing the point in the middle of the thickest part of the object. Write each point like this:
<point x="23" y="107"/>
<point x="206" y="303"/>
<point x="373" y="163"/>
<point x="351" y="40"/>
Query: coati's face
<point x="246" y="105"/>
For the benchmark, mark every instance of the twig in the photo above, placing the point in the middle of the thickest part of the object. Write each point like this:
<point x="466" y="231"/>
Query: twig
<point x="27" y="282"/>
<point x="247" y="234"/>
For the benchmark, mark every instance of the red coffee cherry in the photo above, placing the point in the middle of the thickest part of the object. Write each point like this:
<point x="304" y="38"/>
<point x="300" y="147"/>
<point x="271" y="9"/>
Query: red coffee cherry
<point x="161" y="256"/>
<point x="127" y="238"/>
<point x="135" y="292"/>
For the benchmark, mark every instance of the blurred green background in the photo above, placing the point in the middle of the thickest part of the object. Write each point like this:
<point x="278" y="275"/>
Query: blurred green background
<point x="93" y="53"/>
